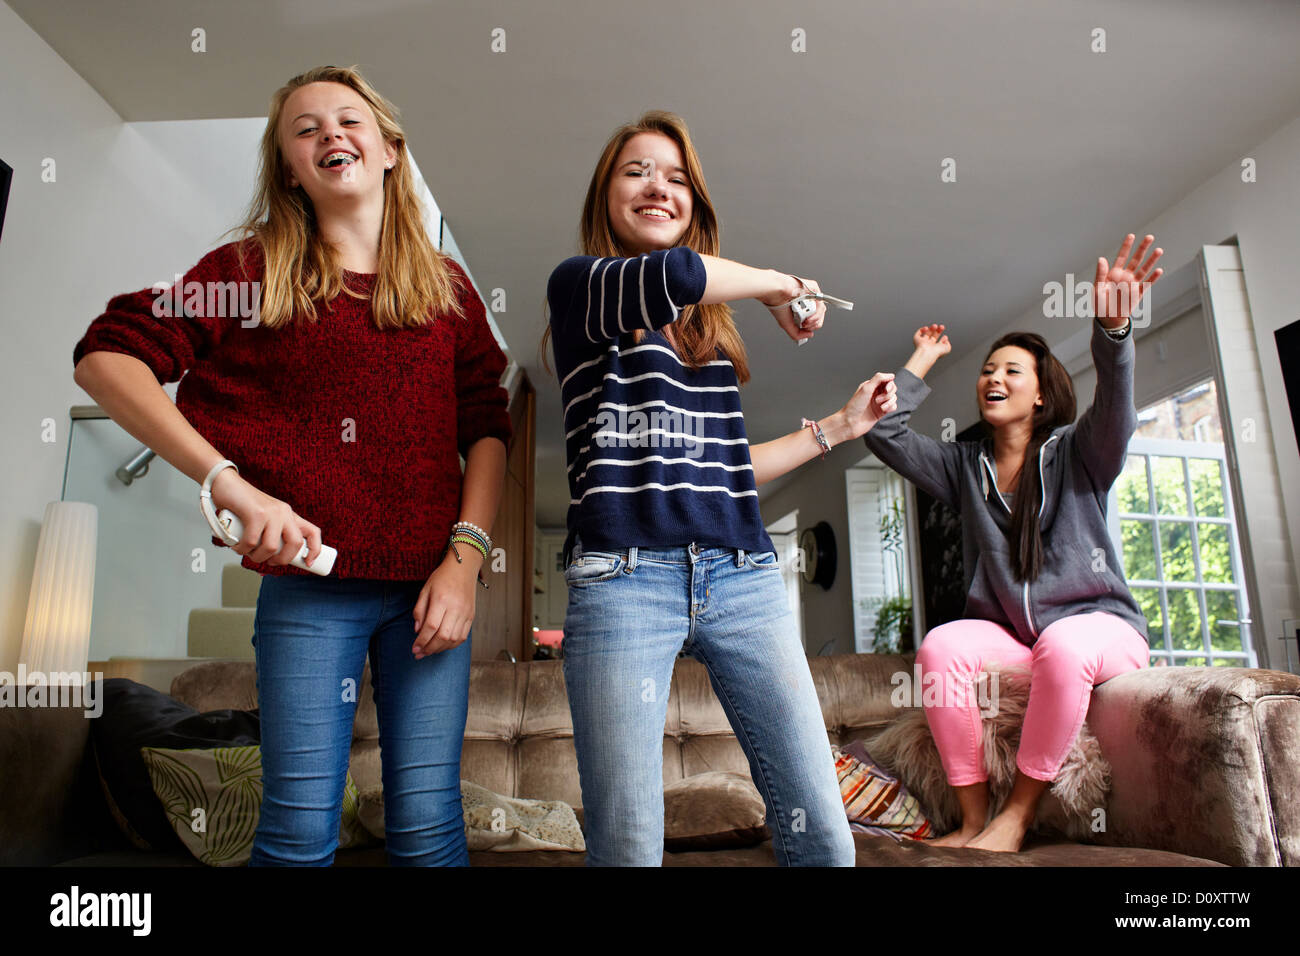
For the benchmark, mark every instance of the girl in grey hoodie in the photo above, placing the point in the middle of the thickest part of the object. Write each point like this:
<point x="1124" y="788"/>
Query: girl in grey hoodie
<point x="1044" y="587"/>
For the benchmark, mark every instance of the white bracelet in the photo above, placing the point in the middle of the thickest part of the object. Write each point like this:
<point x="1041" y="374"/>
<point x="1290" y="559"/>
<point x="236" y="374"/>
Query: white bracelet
<point x="205" y="498"/>
<point x="206" y="490"/>
<point x="1118" y="335"/>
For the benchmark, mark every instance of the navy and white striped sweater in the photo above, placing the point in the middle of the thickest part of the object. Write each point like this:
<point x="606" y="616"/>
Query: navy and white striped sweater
<point x="657" y="452"/>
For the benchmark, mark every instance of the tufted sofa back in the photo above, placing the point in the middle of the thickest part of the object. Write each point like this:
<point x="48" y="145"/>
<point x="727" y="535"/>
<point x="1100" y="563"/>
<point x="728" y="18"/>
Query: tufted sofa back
<point x="519" y="735"/>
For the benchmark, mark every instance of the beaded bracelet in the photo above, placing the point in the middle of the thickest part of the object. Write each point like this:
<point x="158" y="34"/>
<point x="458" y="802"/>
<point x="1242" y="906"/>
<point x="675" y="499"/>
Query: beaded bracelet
<point x="451" y="546"/>
<point x="472" y="541"/>
<point x="469" y="527"/>
<point x="469" y="537"/>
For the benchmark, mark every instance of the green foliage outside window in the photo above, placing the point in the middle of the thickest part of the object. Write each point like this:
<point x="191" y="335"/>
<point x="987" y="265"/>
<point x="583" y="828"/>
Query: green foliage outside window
<point x="1168" y="488"/>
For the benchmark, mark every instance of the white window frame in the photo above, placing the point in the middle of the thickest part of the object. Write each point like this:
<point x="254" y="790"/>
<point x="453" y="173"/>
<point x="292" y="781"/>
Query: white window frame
<point x="1162" y="645"/>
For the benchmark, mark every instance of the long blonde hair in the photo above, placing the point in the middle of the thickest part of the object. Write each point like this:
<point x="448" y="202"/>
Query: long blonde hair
<point x="700" y="330"/>
<point x="414" y="282"/>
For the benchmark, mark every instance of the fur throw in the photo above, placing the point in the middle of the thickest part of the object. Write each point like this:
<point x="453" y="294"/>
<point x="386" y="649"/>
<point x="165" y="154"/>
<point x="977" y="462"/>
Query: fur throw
<point x="907" y="749"/>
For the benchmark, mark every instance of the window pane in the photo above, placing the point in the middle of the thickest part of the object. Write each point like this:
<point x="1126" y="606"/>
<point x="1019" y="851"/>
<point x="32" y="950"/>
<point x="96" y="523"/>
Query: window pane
<point x="1149" y="601"/>
<point x="1139" y="550"/>
<point x="1207" y="486"/>
<point x="1171" y="493"/>
<point x="1193" y="662"/>
<point x="1222" y="606"/>
<point x="1131" y="491"/>
<point x="1184" y="620"/>
<point x="1216" y="556"/>
<point x="1176" y="551"/>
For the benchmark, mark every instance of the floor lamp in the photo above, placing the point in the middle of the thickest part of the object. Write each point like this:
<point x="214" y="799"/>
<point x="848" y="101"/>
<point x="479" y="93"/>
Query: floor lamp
<point x="56" y="637"/>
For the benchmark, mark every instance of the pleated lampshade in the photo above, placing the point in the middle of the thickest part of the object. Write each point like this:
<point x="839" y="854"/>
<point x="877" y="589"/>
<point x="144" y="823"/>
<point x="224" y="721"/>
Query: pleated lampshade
<point x="56" y="637"/>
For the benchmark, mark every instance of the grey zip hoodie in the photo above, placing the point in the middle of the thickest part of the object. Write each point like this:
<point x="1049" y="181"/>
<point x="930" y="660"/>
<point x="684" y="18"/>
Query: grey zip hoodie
<point x="1078" y="464"/>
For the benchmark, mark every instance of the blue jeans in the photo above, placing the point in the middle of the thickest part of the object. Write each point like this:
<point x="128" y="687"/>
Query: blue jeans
<point x="630" y="613"/>
<point x="312" y="636"/>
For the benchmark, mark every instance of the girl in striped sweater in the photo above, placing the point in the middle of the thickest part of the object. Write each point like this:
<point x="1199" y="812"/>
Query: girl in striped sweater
<point x="666" y="549"/>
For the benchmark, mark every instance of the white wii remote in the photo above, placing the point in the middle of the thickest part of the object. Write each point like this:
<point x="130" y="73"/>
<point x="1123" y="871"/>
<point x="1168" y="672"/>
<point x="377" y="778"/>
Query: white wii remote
<point x="324" y="561"/>
<point x="805" y="305"/>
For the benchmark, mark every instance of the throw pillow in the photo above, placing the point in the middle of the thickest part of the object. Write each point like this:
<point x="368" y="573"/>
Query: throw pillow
<point x="713" y="811"/>
<point x="874" y="799"/>
<point x="213" y="799"/>
<point x="136" y="716"/>
<point x="495" y="822"/>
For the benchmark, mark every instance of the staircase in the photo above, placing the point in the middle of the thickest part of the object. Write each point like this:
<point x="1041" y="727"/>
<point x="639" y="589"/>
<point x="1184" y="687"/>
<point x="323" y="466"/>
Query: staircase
<point x="226" y="632"/>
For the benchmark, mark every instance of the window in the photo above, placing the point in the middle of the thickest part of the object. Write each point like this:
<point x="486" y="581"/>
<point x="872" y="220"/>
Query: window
<point x="1172" y="519"/>
<point x="879" y="555"/>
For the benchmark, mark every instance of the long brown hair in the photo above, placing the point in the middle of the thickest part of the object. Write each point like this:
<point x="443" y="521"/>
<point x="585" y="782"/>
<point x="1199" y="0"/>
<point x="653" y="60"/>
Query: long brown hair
<point x="414" y="282"/>
<point x="700" y="330"/>
<point x="1058" y="408"/>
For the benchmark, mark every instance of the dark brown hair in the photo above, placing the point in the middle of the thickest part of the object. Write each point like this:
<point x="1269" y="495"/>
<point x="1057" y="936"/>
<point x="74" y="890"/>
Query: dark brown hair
<point x="700" y="330"/>
<point x="1058" y="408"/>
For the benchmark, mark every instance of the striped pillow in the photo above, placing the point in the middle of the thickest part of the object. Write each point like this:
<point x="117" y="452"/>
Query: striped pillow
<point x="875" y="801"/>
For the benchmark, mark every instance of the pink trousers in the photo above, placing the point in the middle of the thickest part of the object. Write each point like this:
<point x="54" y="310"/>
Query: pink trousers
<point x="1070" y="657"/>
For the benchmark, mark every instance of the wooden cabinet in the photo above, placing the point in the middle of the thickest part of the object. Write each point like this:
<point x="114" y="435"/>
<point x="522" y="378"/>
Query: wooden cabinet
<point x="503" y="619"/>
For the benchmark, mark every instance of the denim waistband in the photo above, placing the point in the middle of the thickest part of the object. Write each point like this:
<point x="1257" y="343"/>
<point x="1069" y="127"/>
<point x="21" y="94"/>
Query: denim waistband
<point x="692" y="553"/>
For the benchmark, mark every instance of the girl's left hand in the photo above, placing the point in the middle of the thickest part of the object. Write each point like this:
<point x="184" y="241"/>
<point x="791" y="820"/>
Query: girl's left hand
<point x="1118" y="289"/>
<point x="445" y="610"/>
<point x="874" y="399"/>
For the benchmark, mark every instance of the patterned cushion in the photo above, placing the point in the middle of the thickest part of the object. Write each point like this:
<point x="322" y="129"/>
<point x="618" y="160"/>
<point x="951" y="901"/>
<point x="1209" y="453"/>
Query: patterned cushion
<point x="213" y="798"/>
<point x="874" y="799"/>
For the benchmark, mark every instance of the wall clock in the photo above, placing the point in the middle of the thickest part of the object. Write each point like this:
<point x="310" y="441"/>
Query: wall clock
<point x="818" y="546"/>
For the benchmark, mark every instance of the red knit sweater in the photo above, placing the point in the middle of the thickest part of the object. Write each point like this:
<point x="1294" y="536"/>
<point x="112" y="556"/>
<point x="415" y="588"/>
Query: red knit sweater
<point x="355" y="428"/>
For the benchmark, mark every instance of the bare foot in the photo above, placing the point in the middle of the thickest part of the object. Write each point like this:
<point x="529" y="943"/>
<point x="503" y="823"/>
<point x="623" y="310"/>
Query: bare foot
<point x="1004" y="833"/>
<point x="959" y="837"/>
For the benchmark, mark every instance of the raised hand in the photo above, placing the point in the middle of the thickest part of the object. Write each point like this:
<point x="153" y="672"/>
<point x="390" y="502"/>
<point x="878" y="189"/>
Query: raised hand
<point x="1117" y="289"/>
<point x="873" y="400"/>
<point x="931" y="340"/>
<point x="931" y="345"/>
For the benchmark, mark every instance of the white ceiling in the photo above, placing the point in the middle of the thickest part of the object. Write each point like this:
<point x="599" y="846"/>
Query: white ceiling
<point x="824" y="163"/>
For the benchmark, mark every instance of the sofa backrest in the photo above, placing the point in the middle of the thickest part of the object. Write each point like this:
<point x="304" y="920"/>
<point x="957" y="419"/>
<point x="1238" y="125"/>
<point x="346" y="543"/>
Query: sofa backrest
<point x="519" y="734"/>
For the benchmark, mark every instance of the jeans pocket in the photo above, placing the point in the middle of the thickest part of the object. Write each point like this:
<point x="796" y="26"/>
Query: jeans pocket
<point x="593" y="567"/>
<point x="762" y="560"/>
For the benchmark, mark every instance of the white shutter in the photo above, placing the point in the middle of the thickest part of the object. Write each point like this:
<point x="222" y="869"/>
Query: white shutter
<point x="867" y="564"/>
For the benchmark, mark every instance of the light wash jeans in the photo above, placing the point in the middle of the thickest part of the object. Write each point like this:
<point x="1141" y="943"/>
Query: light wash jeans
<point x="630" y="613"/>
<point x="312" y="636"/>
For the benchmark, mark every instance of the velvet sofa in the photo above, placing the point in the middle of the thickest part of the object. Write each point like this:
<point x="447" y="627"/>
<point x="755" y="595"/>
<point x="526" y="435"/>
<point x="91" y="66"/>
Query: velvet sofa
<point x="1205" y="764"/>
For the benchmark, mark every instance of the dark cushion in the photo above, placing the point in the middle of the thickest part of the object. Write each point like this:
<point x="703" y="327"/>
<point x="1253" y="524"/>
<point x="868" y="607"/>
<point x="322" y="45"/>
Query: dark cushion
<point x="136" y="716"/>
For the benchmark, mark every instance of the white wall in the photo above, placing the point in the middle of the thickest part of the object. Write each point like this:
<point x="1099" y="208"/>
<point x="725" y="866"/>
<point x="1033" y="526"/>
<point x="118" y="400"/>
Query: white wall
<point x="1265" y="218"/>
<point x="818" y="492"/>
<point x="131" y="204"/>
